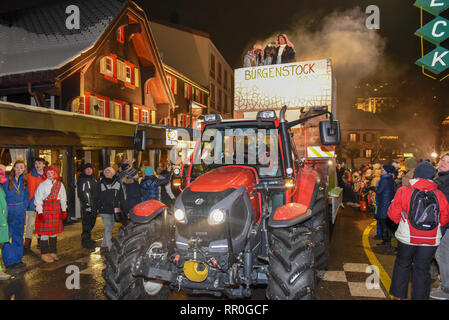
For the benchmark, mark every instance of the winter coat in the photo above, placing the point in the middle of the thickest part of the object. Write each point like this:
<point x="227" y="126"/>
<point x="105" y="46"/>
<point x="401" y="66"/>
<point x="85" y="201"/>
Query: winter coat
<point x="401" y="203"/>
<point x="12" y="198"/>
<point x="442" y="181"/>
<point x="167" y="195"/>
<point x="4" y="233"/>
<point x="133" y="193"/>
<point x="87" y="189"/>
<point x="384" y="195"/>
<point x="110" y="196"/>
<point x="34" y="179"/>
<point x="288" y="55"/>
<point x="150" y="187"/>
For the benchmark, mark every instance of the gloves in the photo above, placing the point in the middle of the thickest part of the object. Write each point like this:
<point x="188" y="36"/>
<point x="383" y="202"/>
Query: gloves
<point x="63" y="215"/>
<point x="40" y="216"/>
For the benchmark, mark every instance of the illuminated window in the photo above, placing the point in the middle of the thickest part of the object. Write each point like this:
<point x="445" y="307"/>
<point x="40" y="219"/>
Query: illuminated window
<point x="117" y="110"/>
<point x="136" y="114"/>
<point x="368" y="153"/>
<point x="145" y="116"/>
<point x="353" y="137"/>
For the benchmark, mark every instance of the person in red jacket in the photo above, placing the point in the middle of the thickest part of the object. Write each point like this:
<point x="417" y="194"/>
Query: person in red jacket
<point x="414" y="245"/>
<point x="35" y="177"/>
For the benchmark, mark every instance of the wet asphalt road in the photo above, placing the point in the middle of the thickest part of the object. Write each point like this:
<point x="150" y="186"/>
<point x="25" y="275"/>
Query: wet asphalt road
<point x="54" y="281"/>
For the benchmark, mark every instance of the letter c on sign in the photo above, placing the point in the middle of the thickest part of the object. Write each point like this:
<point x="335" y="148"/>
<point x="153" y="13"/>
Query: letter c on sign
<point x="438" y="35"/>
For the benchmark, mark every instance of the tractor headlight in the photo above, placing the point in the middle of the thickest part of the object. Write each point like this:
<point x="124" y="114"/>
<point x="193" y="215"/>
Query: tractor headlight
<point x="216" y="216"/>
<point x="180" y="216"/>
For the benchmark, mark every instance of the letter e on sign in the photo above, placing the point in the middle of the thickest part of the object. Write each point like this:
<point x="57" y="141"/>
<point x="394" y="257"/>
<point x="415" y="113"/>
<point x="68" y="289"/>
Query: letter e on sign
<point x="373" y="20"/>
<point x="73" y="20"/>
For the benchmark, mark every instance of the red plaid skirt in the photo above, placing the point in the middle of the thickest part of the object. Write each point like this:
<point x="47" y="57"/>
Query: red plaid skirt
<point x="51" y="222"/>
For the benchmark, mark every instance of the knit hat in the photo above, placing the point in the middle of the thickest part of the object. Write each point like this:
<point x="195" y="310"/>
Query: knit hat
<point x="411" y="163"/>
<point x="388" y="168"/>
<point x="87" y="165"/>
<point x="148" y="171"/>
<point x="424" y="170"/>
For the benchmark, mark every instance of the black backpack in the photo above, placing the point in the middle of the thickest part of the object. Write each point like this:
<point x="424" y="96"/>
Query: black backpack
<point x="424" y="211"/>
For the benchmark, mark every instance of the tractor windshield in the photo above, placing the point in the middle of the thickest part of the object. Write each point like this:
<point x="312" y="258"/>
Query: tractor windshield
<point x="236" y="144"/>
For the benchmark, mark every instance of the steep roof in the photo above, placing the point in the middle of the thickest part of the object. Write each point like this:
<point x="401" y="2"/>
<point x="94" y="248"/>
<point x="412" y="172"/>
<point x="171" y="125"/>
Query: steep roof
<point x="37" y="39"/>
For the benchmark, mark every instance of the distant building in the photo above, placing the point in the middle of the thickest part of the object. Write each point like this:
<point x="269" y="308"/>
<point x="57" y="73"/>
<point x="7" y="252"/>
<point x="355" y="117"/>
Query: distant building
<point x="377" y="104"/>
<point x="366" y="139"/>
<point x="199" y="60"/>
<point x="444" y="148"/>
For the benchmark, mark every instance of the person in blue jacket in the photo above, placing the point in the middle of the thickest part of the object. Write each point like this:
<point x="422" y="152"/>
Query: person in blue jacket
<point x="384" y="195"/>
<point x="16" y="191"/>
<point x="150" y="185"/>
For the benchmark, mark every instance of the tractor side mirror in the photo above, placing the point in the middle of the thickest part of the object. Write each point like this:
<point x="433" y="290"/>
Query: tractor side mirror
<point x="330" y="133"/>
<point x="140" y="139"/>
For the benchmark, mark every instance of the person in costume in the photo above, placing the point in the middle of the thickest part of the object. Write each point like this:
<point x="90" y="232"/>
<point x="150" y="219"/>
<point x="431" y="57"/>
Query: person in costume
<point x="50" y="201"/>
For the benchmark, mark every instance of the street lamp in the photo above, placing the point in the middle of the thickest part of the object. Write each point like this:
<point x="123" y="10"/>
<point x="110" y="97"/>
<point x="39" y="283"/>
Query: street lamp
<point x="434" y="155"/>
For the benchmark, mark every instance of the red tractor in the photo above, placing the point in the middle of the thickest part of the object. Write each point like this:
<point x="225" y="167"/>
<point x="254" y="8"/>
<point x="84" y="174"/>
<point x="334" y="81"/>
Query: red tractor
<point x="251" y="213"/>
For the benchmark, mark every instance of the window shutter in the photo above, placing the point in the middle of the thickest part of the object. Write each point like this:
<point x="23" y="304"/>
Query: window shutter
<point x="103" y="65"/>
<point x="93" y="102"/>
<point x="136" y="77"/>
<point x="121" y="71"/>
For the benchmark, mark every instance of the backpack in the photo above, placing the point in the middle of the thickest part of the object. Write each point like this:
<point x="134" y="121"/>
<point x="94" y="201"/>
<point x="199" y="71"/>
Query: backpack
<point x="424" y="211"/>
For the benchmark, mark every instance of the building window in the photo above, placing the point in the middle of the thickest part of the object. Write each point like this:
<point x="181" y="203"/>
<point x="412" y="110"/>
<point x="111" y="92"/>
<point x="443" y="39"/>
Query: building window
<point x="219" y="73"/>
<point x="225" y="80"/>
<point x="98" y="107"/>
<point x="136" y="112"/>
<point x="109" y="66"/>
<point x="353" y="137"/>
<point x="172" y="83"/>
<point x="128" y="74"/>
<point x="368" y="153"/>
<point x="145" y="116"/>
<point x="212" y="95"/>
<point x="212" y="65"/>
<point x="121" y="34"/>
<point x="219" y="101"/>
<point x="225" y="103"/>
<point x="368" y="137"/>
<point x="116" y="111"/>
<point x="188" y="91"/>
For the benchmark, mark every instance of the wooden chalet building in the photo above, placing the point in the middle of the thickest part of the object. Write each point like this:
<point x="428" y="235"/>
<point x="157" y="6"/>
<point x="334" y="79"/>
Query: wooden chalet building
<point x="75" y="95"/>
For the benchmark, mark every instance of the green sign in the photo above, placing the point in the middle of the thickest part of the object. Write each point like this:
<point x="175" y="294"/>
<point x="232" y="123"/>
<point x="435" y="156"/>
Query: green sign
<point x="435" y="32"/>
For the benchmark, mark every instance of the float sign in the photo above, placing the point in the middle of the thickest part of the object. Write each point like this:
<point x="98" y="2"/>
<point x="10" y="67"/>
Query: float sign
<point x="298" y="84"/>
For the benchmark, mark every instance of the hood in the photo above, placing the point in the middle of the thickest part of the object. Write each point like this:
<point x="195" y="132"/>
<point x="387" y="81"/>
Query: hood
<point x="422" y="184"/>
<point x="223" y="178"/>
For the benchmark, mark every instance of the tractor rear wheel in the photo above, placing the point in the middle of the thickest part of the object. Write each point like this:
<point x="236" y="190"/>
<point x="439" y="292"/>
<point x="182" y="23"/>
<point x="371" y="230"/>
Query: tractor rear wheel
<point x="291" y="273"/>
<point x="126" y="247"/>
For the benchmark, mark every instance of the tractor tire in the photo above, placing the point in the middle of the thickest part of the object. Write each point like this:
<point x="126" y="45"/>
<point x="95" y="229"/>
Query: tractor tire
<point x="291" y="274"/>
<point x="126" y="247"/>
<point x="318" y="225"/>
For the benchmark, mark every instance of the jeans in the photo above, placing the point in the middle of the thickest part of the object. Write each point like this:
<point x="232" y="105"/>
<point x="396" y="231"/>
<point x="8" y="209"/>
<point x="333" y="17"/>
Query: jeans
<point x="108" y="222"/>
<point x="442" y="256"/>
<point x="30" y="221"/>
<point x="385" y="231"/>
<point x="421" y="258"/>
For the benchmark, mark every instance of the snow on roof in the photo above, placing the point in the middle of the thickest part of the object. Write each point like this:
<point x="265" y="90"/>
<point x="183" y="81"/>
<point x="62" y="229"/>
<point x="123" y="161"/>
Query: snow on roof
<point x="37" y="39"/>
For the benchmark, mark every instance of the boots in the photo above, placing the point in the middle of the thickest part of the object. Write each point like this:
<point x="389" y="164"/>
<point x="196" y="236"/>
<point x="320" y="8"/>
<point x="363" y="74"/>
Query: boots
<point x="45" y="252"/>
<point x="27" y="243"/>
<point x="53" y="241"/>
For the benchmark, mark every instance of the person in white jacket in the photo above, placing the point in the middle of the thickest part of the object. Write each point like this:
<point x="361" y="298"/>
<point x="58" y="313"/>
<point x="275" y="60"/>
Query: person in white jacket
<point x="50" y="201"/>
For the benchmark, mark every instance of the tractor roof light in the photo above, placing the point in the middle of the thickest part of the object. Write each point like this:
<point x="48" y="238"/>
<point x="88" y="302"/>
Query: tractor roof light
<point x="289" y="183"/>
<point x="213" y="117"/>
<point x="266" y="115"/>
